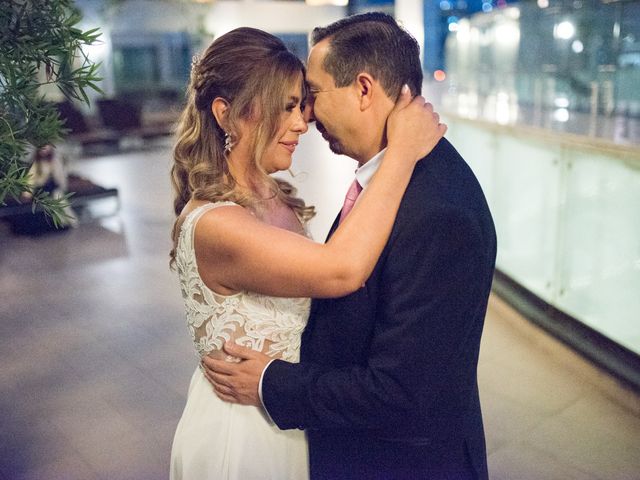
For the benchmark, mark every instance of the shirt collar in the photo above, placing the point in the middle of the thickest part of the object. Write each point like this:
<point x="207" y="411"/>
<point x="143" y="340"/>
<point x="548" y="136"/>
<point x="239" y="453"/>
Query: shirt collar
<point x="365" y="172"/>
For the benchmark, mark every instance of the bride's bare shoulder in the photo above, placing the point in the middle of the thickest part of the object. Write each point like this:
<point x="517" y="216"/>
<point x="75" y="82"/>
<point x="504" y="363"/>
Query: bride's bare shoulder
<point x="193" y="205"/>
<point x="221" y="224"/>
<point x="210" y="218"/>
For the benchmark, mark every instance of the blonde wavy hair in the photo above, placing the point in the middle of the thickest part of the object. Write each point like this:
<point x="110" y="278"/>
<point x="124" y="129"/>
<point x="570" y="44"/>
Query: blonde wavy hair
<point x="253" y="71"/>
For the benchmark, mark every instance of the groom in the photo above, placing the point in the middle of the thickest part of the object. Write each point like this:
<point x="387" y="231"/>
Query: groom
<point x="387" y="385"/>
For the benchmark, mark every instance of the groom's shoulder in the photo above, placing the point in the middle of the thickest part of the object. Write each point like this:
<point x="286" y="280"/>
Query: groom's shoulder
<point x="443" y="180"/>
<point x="443" y="155"/>
<point x="442" y="166"/>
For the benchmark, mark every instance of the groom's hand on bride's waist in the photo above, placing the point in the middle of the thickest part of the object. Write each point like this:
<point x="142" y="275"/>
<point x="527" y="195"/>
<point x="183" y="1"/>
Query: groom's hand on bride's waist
<point x="237" y="382"/>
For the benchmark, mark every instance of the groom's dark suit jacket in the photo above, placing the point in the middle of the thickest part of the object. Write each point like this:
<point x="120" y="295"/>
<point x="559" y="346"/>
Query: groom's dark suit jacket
<point x="387" y="385"/>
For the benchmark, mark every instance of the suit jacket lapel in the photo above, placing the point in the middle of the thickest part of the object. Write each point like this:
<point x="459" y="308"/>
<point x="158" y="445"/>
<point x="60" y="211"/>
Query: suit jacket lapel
<point x="333" y="227"/>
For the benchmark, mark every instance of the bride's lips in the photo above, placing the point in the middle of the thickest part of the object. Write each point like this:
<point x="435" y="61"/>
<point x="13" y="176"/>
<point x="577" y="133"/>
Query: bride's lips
<point x="291" y="146"/>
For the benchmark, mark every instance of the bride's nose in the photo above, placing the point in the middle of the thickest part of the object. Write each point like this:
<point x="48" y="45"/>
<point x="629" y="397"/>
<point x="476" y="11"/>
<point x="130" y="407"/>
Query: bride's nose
<point x="300" y="124"/>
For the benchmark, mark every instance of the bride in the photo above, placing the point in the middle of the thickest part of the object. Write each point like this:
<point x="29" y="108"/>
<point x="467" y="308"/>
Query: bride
<point x="246" y="266"/>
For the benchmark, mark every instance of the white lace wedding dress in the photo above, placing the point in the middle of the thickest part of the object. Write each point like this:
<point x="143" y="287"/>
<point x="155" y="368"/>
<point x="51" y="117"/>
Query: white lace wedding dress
<point x="224" y="441"/>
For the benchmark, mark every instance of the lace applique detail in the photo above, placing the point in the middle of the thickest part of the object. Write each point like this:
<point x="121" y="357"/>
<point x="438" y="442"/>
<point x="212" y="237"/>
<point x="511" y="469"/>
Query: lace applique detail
<point x="271" y="325"/>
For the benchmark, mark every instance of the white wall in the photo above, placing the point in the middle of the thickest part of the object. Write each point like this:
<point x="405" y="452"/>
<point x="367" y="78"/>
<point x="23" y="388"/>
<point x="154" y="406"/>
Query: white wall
<point x="409" y="13"/>
<point x="275" y="17"/>
<point x="207" y="20"/>
<point x="219" y="17"/>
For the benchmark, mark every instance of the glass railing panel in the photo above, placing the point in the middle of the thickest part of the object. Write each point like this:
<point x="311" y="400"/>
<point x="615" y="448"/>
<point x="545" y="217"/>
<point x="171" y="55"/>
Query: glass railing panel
<point x="567" y="222"/>
<point x="521" y="181"/>
<point x="599" y="255"/>
<point x="525" y="201"/>
<point x="545" y="106"/>
<point x="480" y="158"/>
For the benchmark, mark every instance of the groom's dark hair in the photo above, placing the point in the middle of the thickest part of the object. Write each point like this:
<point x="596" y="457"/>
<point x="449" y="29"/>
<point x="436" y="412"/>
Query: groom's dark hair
<point x="375" y="43"/>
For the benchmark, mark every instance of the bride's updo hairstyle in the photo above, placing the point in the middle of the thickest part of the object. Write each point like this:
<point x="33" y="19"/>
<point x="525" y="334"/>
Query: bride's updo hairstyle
<point x="254" y="72"/>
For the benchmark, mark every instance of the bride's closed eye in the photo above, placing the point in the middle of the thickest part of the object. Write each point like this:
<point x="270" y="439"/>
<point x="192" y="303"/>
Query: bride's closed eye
<point x="291" y="106"/>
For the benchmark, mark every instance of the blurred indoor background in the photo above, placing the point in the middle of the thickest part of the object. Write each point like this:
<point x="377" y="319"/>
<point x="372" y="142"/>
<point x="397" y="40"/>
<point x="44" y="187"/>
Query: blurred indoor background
<point x="542" y="98"/>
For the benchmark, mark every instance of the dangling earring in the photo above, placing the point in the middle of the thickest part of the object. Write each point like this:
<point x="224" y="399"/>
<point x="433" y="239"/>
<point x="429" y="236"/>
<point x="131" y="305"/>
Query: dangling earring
<point x="228" y="143"/>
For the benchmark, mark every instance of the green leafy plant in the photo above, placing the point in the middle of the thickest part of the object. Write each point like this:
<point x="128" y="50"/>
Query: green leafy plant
<point x="40" y="44"/>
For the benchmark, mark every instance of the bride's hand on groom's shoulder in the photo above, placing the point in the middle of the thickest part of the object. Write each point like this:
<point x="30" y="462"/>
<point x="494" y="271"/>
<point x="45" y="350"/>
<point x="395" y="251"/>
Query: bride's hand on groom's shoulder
<point x="237" y="382"/>
<point x="413" y="125"/>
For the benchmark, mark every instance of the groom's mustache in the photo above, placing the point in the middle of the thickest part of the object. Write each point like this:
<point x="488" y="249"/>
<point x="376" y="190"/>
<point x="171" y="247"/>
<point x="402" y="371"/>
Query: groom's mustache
<point x="322" y="130"/>
<point x="334" y="145"/>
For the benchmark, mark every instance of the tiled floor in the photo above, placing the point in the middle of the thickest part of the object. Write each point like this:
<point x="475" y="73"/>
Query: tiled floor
<point x="95" y="358"/>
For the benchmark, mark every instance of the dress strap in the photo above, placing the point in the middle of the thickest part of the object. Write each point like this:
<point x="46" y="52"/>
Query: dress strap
<point x="188" y="226"/>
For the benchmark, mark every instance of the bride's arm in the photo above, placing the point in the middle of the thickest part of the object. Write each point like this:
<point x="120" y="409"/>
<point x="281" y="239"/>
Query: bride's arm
<point x="243" y="253"/>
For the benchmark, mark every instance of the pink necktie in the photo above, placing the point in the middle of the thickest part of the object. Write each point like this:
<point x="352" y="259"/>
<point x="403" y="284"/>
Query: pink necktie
<point x="350" y="199"/>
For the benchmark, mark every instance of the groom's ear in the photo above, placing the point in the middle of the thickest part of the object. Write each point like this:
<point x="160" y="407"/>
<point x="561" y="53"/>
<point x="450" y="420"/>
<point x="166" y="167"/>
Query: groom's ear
<point x="364" y="85"/>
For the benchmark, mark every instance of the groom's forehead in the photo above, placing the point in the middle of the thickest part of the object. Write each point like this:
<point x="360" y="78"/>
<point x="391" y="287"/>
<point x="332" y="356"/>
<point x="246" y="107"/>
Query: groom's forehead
<point x="316" y="74"/>
<point x="317" y="54"/>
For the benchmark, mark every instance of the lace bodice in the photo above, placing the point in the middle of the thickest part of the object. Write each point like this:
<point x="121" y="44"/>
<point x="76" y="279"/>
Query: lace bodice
<point x="271" y="325"/>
